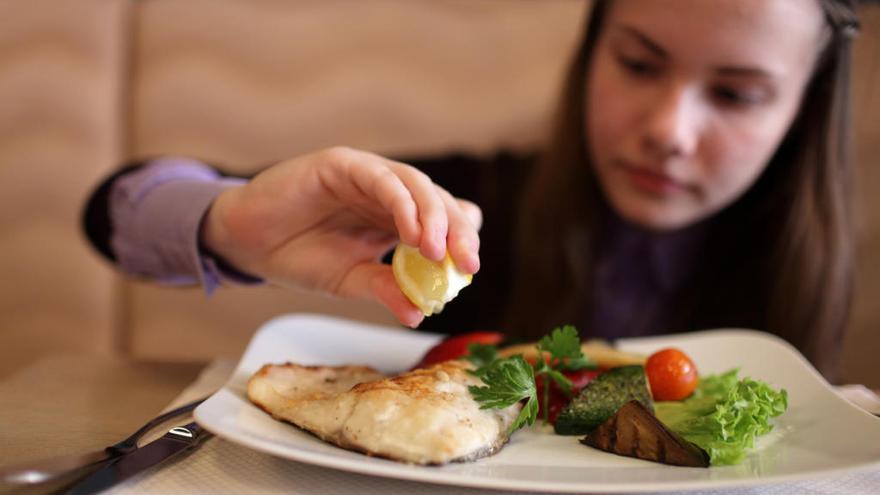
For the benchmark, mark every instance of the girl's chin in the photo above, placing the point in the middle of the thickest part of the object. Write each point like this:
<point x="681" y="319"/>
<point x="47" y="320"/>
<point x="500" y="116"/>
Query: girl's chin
<point x="658" y="218"/>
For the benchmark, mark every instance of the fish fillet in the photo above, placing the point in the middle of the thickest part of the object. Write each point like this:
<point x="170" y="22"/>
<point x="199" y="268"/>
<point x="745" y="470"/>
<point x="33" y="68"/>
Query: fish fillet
<point x="425" y="416"/>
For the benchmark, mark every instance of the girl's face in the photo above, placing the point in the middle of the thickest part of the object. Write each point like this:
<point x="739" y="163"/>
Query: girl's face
<point x="687" y="100"/>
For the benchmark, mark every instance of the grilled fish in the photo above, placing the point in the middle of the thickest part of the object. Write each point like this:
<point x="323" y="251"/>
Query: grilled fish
<point x="425" y="416"/>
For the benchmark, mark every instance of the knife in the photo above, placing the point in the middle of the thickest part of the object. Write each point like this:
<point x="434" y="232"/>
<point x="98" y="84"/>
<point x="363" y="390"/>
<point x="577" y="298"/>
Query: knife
<point x="178" y="440"/>
<point x="68" y="467"/>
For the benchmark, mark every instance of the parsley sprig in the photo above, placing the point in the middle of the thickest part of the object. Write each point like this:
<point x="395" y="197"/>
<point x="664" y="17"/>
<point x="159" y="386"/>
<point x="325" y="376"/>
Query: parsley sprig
<point x="481" y="354"/>
<point x="509" y="380"/>
<point x="564" y="346"/>
<point x="512" y="379"/>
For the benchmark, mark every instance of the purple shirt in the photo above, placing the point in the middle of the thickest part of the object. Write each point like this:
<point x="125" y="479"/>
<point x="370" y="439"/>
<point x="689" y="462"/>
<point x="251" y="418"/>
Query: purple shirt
<point x="639" y="276"/>
<point x="156" y="213"/>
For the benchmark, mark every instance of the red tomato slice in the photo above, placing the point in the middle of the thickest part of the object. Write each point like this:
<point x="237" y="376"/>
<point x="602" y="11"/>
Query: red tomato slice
<point x="671" y="374"/>
<point x="456" y="346"/>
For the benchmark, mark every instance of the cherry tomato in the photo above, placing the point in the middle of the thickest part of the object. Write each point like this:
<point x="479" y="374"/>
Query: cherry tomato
<point x="671" y="374"/>
<point x="558" y="398"/>
<point x="456" y="346"/>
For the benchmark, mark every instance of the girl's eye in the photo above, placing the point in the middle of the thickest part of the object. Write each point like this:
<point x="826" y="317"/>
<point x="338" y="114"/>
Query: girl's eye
<point x="738" y="98"/>
<point x="638" y="67"/>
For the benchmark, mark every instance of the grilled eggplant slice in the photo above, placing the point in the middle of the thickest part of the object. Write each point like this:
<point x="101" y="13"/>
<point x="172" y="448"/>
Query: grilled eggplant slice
<point x="634" y="431"/>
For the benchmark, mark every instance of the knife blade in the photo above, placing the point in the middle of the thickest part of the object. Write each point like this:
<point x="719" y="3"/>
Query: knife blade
<point x="176" y="441"/>
<point x="47" y="469"/>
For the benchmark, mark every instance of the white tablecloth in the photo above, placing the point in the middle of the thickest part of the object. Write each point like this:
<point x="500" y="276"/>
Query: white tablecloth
<point x="220" y="467"/>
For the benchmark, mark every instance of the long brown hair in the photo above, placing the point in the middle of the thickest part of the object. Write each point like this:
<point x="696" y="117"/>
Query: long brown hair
<point x="779" y="259"/>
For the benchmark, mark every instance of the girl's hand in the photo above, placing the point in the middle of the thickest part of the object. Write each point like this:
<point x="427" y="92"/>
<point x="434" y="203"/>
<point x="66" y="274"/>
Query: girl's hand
<point x="324" y="220"/>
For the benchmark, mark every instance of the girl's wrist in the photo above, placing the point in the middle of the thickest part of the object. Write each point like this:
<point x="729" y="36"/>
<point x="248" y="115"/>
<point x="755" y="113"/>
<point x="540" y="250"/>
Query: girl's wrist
<point x="215" y="240"/>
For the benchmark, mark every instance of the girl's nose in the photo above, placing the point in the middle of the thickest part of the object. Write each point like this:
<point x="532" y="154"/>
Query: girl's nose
<point x="672" y="127"/>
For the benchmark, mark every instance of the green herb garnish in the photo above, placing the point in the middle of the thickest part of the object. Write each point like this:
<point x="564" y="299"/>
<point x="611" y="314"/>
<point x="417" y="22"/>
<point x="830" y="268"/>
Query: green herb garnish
<point x="509" y="381"/>
<point x="504" y="380"/>
<point x="564" y="346"/>
<point x="481" y="355"/>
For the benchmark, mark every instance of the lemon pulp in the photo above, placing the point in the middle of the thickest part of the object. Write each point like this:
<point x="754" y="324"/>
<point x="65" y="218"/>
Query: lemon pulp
<point x="428" y="284"/>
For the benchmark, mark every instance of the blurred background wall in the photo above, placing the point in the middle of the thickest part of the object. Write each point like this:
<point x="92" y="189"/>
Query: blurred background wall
<point x="88" y="85"/>
<point x="62" y="80"/>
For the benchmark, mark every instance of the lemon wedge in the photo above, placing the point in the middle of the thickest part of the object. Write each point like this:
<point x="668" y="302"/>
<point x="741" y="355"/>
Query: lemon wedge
<point x="428" y="284"/>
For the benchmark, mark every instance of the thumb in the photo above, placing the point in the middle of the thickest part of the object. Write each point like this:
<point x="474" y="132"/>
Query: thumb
<point x="375" y="281"/>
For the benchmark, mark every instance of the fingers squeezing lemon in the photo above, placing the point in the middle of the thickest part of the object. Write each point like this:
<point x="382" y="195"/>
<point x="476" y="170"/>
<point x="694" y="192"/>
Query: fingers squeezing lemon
<point x="428" y="284"/>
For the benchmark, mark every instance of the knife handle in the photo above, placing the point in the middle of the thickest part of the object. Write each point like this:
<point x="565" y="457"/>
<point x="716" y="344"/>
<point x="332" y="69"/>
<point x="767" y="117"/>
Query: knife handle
<point x="176" y="441"/>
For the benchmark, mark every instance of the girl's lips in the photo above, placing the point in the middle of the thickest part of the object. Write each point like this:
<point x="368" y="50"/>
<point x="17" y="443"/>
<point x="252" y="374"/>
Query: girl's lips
<point x="652" y="182"/>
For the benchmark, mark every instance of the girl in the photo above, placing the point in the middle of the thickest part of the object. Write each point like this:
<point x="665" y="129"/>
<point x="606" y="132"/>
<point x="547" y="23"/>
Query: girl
<point x="698" y="177"/>
<point x="720" y="130"/>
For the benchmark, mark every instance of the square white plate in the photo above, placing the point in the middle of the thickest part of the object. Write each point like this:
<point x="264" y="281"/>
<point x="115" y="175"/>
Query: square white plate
<point x="821" y="434"/>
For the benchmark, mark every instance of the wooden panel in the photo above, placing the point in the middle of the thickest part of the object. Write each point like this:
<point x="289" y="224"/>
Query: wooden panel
<point x="60" y="100"/>
<point x="249" y="83"/>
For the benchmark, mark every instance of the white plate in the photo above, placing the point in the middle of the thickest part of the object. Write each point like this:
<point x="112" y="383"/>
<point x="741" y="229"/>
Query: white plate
<point x="820" y="434"/>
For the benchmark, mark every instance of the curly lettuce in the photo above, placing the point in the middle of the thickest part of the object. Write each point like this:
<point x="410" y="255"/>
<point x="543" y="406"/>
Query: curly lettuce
<point x="725" y="415"/>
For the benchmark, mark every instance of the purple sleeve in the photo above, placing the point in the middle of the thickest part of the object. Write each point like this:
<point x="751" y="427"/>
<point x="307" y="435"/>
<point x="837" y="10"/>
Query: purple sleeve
<point x="156" y="212"/>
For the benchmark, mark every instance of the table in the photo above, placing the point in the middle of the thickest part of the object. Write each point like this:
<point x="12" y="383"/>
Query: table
<point x="76" y="403"/>
<point x="71" y="403"/>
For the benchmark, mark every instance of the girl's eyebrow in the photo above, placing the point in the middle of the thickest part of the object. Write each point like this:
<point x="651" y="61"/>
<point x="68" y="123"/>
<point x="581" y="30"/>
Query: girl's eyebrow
<point x="645" y="41"/>
<point x="656" y="49"/>
<point x="745" y="71"/>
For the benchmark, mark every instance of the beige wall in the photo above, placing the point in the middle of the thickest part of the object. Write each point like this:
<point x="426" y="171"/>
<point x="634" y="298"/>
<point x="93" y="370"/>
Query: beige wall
<point x="87" y="84"/>
<point x="862" y="346"/>
<point x="60" y="129"/>
<point x="248" y="83"/>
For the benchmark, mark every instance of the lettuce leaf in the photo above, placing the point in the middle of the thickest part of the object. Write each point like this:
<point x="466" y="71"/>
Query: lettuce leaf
<point x="725" y="415"/>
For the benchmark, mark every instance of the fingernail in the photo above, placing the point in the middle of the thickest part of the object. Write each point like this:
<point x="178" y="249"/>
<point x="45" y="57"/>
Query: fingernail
<point x="415" y="323"/>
